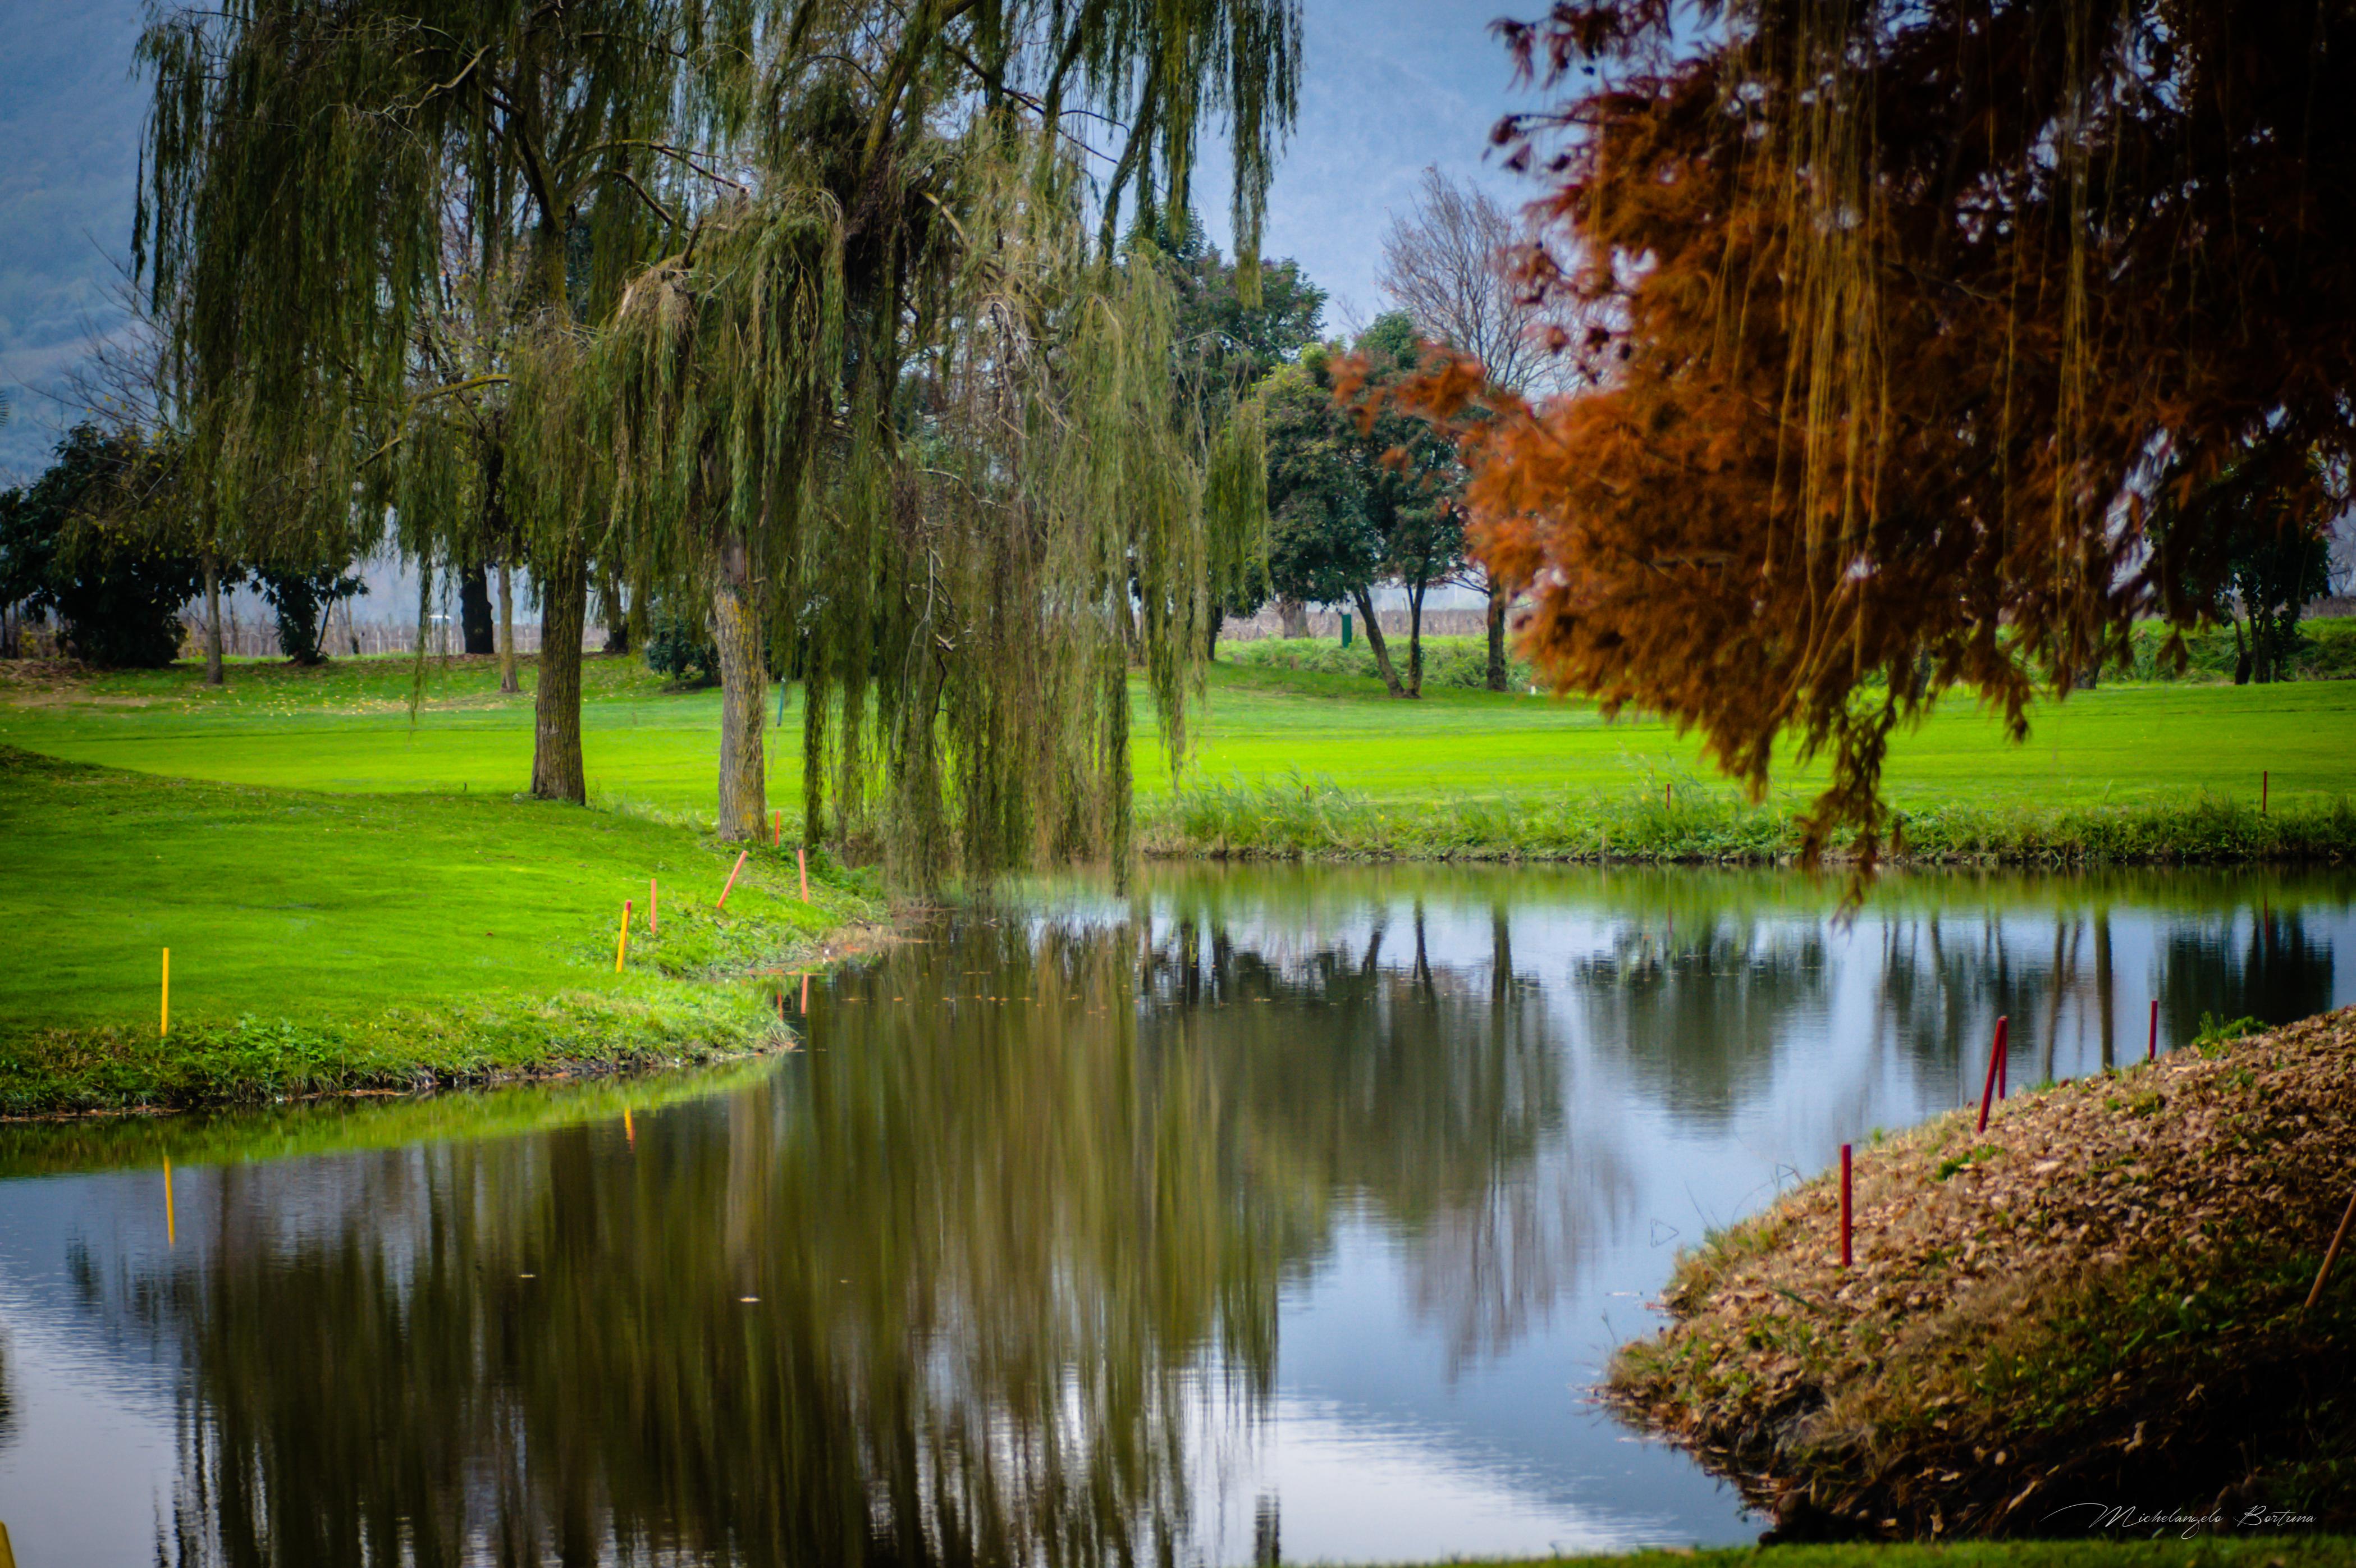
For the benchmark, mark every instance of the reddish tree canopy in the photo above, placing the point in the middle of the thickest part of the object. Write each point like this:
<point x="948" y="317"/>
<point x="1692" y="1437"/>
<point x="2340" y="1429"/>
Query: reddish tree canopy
<point x="1932" y="345"/>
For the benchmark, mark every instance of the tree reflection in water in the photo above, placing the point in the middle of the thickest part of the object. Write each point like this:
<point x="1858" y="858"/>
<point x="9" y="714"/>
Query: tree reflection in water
<point x="993" y="1273"/>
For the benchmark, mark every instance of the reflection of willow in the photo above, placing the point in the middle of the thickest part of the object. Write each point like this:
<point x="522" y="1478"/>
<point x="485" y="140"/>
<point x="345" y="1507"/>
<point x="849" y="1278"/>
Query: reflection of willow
<point x="990" y="1240"/>
<point x="1699" y="1007"/>
<point x="1359" y="1070"/>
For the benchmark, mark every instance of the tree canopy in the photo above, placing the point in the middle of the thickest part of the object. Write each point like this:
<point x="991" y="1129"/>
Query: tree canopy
<point x="1904" y="319"/>
<point x="760" y="252"/>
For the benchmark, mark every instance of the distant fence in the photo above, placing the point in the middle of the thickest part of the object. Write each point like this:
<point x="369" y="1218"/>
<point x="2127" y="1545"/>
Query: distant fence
<point x="257" y="636"/>
<point x="1328" y="624"/>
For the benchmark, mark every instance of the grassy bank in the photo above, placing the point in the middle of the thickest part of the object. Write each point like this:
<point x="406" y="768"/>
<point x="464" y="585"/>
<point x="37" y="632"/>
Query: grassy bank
<point x="1317" y="819"/>
<point x="330" y="943"/>
<point x="2099" y="1301"/>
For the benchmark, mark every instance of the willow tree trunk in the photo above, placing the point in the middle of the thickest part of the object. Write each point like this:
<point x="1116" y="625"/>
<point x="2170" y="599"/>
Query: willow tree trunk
<point x="507" y="682"/>
<point x="1374" y="641"/>
<point x="213" y="620"/>
<point x="736" y="631"/>
<point x="556" y="771"/>
<point x="1496" y="635"/>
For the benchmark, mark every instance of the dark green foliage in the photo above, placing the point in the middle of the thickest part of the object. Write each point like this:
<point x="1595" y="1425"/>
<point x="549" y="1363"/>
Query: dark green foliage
<point x="1220" y="338"/>
<point x="1360" y="496"/>
<point x="679" y="647"/>
<point x="1321" y="547"/>
<point x="2275" y="560"/>
<point x="303" y="597"/>
<point x="73" y="544"/>
<point x="2276" y="571"/>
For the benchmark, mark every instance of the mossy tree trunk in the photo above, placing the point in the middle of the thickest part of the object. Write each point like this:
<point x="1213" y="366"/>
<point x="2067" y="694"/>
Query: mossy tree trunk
<point x="1293" y="617"/>
<point x="556" y="770"/>
<point x="736" y="632"/>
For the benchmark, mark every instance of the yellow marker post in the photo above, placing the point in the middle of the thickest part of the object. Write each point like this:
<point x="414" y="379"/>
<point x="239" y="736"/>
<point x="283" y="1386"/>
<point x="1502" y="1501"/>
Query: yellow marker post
<point x="7" y="1555"/>
<point x="171" y="1219"/>
<point x="622" y="943"/>
<point x="164" y="1026"/>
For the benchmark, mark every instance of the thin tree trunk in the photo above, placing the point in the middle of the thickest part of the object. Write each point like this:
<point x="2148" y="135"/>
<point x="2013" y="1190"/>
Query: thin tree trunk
<point x="1496" y="635"/>
<point x="556" y="769"/>
<point x="736" y="631"/>
<point x="213" y="676"/>
<point x="1374" y="641"/>
<point x="1415" y="639"/>
<point x="1217" y="618"/>
<point x="1293" y="616"/>
<point x="509" y="685"/>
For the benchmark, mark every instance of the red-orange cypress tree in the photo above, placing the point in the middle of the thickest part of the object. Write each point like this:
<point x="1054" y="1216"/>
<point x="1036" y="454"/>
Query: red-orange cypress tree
<point x="1932" y="345"/>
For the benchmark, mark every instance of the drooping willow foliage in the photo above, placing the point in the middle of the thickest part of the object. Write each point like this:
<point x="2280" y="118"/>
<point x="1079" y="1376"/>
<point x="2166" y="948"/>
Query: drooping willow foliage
<point x="1054" y="514"/>
<point x="447" y="259"/>
<point x="966" y="574"/>
<point x="1905" y="318"/>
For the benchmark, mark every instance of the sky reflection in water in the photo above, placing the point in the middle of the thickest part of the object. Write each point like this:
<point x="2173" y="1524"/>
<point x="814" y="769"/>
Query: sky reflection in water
<point x="1259" y="1209"/>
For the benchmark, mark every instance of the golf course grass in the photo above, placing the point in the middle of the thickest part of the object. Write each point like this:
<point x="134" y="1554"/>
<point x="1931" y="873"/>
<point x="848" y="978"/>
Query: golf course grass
<point x="348" y="726"/>
<point x="334" y="942"/>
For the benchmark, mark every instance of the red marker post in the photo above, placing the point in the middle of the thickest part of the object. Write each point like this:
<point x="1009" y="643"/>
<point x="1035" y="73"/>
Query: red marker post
<point x="2151" y="1047"/>
<point x="1994" y="1071"/>
<point x="1845" y="1204"/>
<point x="801" y="863"/>
<point x="654" y="912"/>
<point x="2266" y="779"/>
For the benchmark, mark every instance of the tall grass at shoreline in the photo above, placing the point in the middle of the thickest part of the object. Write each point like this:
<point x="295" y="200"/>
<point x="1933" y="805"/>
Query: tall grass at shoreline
<point x="1304" y="817"/>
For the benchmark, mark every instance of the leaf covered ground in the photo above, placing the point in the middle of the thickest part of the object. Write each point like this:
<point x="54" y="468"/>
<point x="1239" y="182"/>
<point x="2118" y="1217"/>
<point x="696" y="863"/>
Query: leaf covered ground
<point x="2096" y="1303"/>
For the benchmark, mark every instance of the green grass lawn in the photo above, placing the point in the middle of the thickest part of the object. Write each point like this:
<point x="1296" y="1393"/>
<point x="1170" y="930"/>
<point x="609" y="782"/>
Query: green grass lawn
<point x="349" y="728"/>
<point x="420" y="934"/>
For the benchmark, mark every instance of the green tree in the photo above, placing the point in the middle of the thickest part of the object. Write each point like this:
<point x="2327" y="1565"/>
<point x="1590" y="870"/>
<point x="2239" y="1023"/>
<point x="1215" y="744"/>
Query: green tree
<point x="80" y="543"/>
<point x="303" y="596"/>
<point x="1360" y="494"/>
<point x="1413" y="480"/>
<point x="1320" y="547"/>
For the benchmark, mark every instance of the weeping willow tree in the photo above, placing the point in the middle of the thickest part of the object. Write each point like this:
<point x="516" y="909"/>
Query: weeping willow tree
<point x="308" y="166"/>
<point x="967" y="575"/>
<point x="1055" y="514"/>
<point x="719" y="379"/>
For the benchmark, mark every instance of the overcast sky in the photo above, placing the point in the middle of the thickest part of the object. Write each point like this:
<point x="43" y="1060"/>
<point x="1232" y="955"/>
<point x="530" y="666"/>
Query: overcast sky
<point x="1389" y="86"/>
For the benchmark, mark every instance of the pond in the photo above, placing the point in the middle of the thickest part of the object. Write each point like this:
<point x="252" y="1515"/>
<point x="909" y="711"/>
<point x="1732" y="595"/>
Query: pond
<point x="1254" y="1210"/>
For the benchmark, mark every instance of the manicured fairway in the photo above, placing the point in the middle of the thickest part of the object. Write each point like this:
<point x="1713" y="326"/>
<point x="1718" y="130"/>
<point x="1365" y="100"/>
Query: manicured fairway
<point x="321" y="906"/>
<point x="349" y="728"/>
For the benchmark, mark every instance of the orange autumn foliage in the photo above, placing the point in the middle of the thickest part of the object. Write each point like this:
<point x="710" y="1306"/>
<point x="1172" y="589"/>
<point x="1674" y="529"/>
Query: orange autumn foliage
<point x="1927" y="347"/>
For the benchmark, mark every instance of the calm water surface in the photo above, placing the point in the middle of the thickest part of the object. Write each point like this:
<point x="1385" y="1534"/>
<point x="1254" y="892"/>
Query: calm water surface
<point x="1256" y="1211"/>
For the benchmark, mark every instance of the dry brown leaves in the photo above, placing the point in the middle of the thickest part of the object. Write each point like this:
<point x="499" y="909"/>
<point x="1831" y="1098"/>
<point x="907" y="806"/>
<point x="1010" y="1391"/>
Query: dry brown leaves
<point x="1904" y="1392"/>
